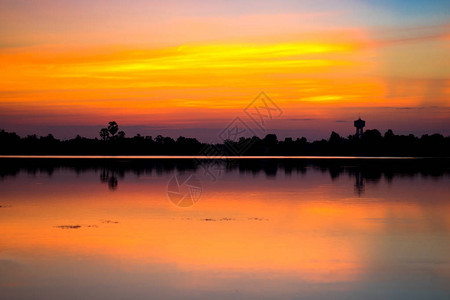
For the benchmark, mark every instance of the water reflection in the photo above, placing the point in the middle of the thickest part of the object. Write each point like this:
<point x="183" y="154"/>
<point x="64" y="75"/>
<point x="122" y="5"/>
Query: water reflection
<point x="359" y="183"/>
<point x="113" y="170"/>
<point x="109" y="177"/>
<point x="263" y="230"/>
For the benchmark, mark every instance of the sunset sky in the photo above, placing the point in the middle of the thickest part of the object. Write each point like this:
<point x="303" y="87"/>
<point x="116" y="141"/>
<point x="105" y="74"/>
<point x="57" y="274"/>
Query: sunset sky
<point x="190" y="67"/>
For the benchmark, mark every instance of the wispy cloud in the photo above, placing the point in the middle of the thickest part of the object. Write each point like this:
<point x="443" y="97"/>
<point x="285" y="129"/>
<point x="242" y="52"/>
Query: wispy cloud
<point x="301" y="119"/>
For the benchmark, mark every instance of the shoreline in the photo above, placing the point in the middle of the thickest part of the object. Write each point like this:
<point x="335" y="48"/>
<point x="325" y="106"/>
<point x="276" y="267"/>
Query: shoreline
<point x="215" y="158"/>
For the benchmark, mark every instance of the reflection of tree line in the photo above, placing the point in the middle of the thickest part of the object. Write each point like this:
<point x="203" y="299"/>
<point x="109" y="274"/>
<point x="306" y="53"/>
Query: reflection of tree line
<point x="110" y="177"/>
<point x="112" y="170"/>
<point x="359" y="183"/>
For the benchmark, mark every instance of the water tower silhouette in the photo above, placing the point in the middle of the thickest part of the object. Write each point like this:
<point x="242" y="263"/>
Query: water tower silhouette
<point x="359" y="124"/>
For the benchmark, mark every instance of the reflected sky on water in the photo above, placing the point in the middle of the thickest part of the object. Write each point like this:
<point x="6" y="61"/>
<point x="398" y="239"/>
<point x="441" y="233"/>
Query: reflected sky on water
<point x="264" y="229"/>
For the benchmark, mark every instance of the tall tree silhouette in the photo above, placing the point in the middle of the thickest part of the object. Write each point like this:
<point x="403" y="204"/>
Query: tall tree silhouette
<point x="113" y="128"/>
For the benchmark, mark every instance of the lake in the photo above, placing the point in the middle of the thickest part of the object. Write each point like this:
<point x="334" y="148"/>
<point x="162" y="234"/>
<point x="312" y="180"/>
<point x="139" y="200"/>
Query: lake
<point x="180" y="228"/>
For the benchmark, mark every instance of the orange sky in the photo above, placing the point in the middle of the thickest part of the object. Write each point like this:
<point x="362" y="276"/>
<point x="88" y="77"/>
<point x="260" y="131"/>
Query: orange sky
<point x="184" y="69"/>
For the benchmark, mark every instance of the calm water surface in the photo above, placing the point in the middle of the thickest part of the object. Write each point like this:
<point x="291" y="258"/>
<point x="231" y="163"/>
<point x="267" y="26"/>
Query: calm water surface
<point x="263" y="229"/>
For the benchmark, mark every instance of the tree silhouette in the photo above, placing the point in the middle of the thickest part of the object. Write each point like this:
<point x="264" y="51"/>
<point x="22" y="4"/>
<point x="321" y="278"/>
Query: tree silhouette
<point x="113" y="128"/>
<point x="373" y="143"/>
<point x="270" y="139"/>
<point x="334" y="138"/>
<point x="121" y="134"/>
<point x="389" y="134"/>
<point x="159" y="139"/>
<point x="104" y="133"/>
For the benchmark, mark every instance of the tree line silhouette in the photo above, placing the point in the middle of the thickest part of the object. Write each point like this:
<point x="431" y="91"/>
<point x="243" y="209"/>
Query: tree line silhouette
<point x="114" y="142"/>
